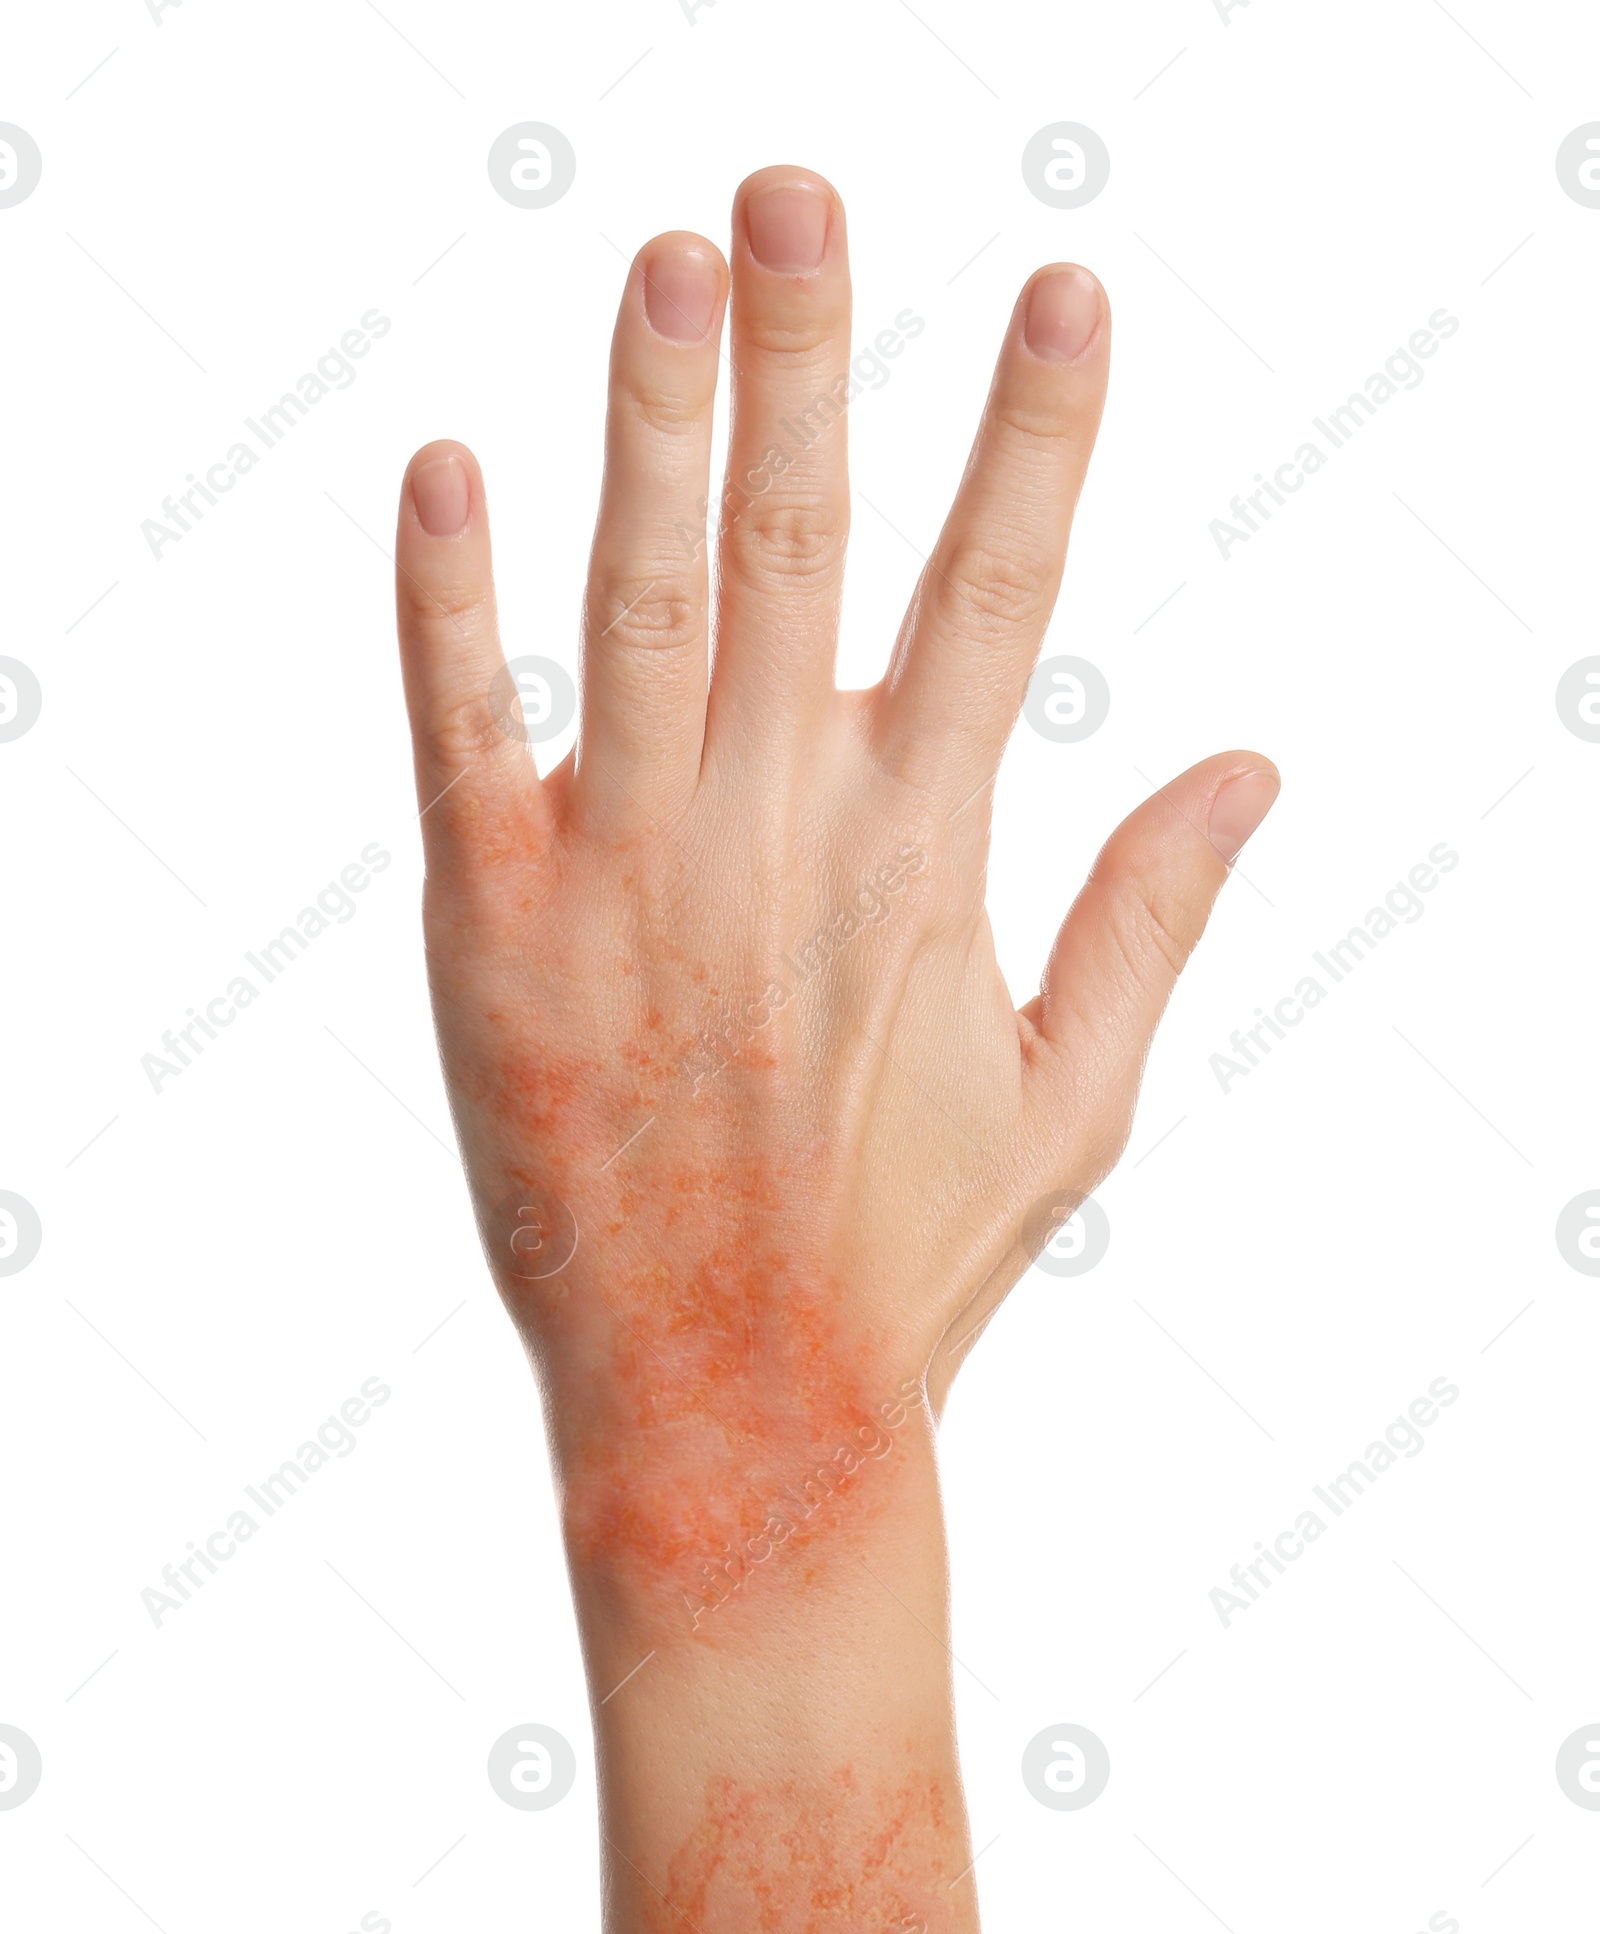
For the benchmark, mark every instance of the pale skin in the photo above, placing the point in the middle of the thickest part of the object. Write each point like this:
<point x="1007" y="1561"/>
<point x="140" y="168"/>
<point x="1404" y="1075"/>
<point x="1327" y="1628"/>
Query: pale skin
<point x="718" y="999"/>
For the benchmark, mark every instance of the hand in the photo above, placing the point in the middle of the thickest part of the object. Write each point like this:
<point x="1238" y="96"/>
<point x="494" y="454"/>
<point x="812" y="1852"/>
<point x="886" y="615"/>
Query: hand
<point x="718" y="1005"/>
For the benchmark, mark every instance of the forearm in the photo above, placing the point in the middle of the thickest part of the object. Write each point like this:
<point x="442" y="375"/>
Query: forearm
<point x="775" y="1742"/>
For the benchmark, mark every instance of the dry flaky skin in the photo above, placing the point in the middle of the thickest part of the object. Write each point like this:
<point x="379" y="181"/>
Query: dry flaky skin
<point x="756" y="1137"/>
<point x="836" y="1859"/>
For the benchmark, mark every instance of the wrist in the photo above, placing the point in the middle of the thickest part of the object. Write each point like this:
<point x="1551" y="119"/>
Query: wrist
<point x="675" y="1526"/>
<point x="785" y="1733"/>
<point x="762" y="1597"/>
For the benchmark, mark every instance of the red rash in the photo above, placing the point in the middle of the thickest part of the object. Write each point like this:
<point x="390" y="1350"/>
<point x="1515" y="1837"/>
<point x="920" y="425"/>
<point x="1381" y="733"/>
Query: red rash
<point x="737" y="1415"/>
<point x="780" y="1858"/>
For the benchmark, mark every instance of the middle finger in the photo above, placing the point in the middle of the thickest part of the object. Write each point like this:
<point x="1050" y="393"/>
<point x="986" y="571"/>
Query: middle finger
<point x="785" y="511"/>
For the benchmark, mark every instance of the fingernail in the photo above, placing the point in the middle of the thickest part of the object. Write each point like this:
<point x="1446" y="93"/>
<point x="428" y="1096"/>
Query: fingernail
<point x="1238" y="809"/>
<point x="680" y="294"/>
<point x="439" y="491"/>
<point x="1063" y="311"/>
<point x="787" y="228"/>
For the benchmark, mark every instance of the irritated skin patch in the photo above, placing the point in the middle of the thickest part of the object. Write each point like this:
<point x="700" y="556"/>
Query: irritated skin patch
<point x="670" y="1200"/>
<point x="783" y="1858"/>
<point x="734" y="1416"/>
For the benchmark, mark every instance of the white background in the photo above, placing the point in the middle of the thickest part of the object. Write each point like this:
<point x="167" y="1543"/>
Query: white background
<point x="1295" y="194"/>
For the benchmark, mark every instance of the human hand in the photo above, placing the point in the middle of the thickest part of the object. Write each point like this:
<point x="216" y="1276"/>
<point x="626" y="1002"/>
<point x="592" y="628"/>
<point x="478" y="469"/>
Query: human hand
<point x="718" y="1001"/>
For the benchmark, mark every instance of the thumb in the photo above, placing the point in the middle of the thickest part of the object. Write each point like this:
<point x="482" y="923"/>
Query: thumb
<point x="1142" y="910"/>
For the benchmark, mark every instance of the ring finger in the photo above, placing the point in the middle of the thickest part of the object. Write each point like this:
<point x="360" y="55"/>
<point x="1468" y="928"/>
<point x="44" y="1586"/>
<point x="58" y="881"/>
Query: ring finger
<point x="645" y="613"/>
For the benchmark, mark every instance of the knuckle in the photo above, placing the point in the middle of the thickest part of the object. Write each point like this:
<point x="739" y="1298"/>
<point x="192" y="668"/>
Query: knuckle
<point x="461" y="731"/>
<point x="786" y="540"/>
<point x="664" y="413"/>
<point x="1151" y="931"/>
<point x="454" y="605"/>
<point x="658" y="615"/>
<point x="1033" y="427"/>
<point x="994" y="591"/>
<point x="794" y="338"/>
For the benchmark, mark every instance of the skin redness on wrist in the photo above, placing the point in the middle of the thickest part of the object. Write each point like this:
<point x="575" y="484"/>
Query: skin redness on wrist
<point x="723" y="1414"/>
